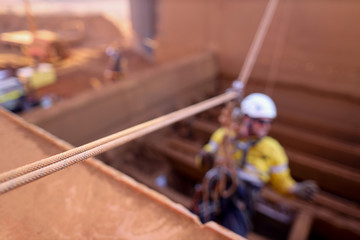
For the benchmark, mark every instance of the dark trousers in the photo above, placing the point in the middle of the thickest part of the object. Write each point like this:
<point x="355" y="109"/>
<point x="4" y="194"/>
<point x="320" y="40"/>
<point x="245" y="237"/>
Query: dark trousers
<point x="236" y="220"/>
<point x="235" y="212"/>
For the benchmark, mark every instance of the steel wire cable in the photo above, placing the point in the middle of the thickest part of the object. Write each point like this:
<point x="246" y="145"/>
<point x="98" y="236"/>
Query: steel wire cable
<point x="6" y="176"/>
<point x="279" y="46"/>
<point x="258" y="40"/>
<point x="28" y="173"/>
<point x="125" y="136"/>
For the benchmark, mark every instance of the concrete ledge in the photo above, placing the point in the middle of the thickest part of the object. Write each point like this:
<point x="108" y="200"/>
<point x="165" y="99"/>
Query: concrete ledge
<point x="98" y="201"/>
<point x="138" y="98"/>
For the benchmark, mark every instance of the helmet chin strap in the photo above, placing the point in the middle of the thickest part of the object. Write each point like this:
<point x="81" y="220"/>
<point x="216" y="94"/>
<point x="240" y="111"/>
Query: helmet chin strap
<point x="251" y="129"/>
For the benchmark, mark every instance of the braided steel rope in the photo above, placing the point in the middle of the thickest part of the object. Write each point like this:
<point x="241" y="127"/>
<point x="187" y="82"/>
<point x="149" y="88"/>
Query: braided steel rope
<point x="28" y="173"/>
<point x="6" y="176"/>
<point x="258" y="40"/>
<point x="106" y="144"/>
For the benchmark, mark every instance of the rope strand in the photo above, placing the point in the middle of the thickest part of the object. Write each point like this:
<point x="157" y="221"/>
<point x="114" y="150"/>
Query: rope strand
<point x="28" y="173"/>
<point x="258" y="40"/>
<point x="124" y="137"/>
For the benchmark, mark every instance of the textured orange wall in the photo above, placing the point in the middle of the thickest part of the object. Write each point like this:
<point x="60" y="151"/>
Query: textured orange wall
<point x="310" y="42"/>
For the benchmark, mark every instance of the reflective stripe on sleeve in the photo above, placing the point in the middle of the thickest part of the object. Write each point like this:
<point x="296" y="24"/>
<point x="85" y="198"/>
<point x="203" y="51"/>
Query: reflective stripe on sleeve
<point x="279" y="168"/>
<point x="214" y="146"/>
<point x="251" y="168"/>
<point x="10" y="96"/>
<point x="250" y="178"/>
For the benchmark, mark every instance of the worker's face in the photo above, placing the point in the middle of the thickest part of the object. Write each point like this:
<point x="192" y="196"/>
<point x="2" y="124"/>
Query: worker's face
<point x="260" y="127"/>
<point x="242" y="127"/>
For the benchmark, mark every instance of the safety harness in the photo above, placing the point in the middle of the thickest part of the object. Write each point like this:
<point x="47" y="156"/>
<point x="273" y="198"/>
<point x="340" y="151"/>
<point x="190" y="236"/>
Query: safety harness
<point x="224" y="181"/>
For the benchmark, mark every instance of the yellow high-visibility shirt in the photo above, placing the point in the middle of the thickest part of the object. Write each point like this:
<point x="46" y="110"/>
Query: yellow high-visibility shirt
<point x="266" y="161"/>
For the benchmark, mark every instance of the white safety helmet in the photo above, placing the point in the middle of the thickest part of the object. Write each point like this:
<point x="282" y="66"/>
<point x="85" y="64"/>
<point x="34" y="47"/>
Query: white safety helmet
<point x="258" y="105"/>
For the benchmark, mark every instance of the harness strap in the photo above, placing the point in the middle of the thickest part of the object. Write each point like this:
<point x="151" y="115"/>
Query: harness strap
<point x="245" y="146"/>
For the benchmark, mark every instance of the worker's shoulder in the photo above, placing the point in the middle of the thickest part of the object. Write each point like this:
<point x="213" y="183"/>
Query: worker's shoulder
<point x="271" y="146"/>
<point x="220" y="132"/>
<point x="270" y="141"/>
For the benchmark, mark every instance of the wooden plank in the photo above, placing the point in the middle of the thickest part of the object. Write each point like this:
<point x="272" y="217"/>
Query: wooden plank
<point x="334" y="178"/>
<point x="302" y="226"/>
<point x="331" y="149"/>
<point x="336" y="131"/>
<point x="339" y="204"/>
<point x="254" y="236"/>
<point x="328" y="215"/>
<point x="190" y="147"/>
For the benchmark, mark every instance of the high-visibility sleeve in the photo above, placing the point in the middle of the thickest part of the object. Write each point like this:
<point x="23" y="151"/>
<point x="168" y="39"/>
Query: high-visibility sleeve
<point x="216" y="139"/>
<point x="213" y="145"/>
<point x="280" y="179"/>
<point x="282" y="182"/>
<point x="266" y="161"/>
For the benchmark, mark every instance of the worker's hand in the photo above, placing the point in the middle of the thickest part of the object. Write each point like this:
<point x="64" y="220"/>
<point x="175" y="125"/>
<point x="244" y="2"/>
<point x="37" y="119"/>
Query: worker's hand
<point x="305" y="190"/>
<point x="207" y="159"/>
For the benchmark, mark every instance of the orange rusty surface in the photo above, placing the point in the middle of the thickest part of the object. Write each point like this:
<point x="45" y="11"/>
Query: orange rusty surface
<point x="309" y="42"/>
<point x="87" y="200"/>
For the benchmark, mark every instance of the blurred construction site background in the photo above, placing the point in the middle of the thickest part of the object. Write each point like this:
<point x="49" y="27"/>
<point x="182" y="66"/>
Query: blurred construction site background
<point x="84" y="69"/>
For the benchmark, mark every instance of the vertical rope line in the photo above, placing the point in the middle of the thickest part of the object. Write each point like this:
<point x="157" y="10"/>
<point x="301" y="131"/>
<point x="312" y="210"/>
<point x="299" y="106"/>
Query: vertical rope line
<point x="279" y="47"/>
<point x="258" y="40"/>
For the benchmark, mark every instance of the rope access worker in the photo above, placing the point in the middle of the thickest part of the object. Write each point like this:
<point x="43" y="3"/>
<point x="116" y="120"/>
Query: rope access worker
<point x="115" y="67"/>
<point x="256" y="159"/>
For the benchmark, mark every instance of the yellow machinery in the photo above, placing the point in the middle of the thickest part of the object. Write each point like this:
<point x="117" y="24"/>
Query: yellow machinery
<point x="37" y="77"/>
<point x="43" y="46"/>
